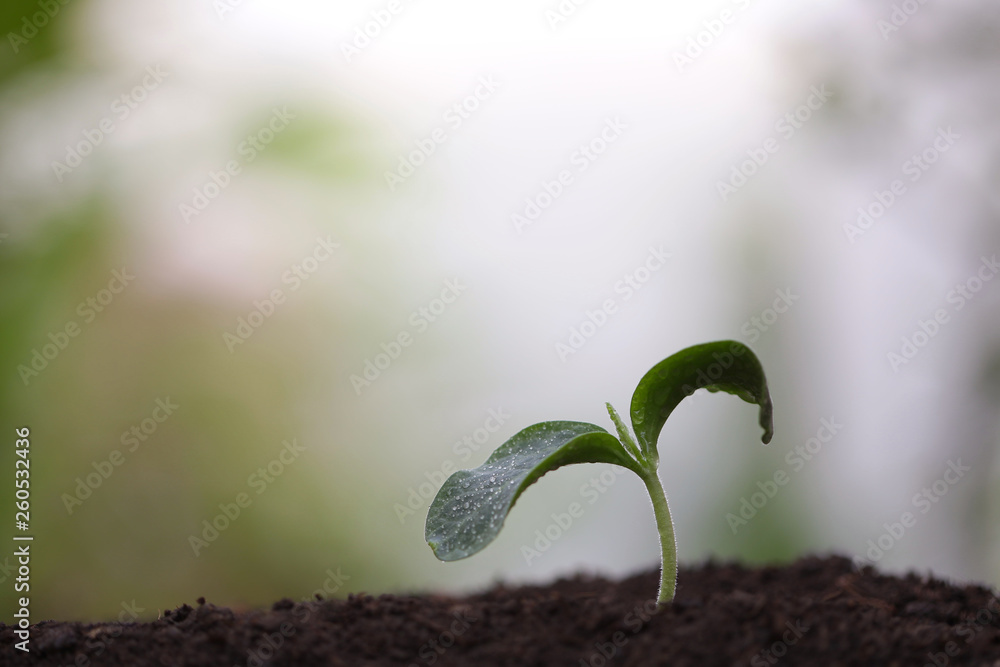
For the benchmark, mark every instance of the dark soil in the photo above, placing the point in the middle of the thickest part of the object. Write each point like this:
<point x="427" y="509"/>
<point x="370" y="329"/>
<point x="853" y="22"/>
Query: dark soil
<point x="817" y="611"/>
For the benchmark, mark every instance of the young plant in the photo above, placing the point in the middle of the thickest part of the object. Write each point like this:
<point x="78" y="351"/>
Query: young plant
<point x="469" y="510"/>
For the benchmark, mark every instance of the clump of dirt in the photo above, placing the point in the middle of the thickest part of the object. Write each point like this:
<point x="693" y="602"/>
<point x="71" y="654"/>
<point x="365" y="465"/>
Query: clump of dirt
<point x="816" y="611"/>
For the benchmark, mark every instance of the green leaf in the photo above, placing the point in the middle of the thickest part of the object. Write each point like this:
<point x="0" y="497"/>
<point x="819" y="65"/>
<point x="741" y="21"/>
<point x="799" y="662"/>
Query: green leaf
<point x="470" y="508"/>
<point x="725" y="365"/>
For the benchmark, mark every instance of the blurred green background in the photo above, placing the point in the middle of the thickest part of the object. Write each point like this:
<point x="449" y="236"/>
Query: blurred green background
<point x="336" y="515"/>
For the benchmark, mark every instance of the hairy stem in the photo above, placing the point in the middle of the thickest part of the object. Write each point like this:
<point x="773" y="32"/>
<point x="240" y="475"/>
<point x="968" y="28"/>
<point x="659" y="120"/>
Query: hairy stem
<point x="650" y="477"/>
<point x="668" y="543"/>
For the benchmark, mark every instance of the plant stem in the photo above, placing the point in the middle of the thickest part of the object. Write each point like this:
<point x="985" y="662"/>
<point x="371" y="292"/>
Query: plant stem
<point x="668" y="543"/>
<point x="650" y="477"/>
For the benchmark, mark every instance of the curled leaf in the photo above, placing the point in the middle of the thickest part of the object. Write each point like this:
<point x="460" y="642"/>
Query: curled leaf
<point x="726" y="365"/>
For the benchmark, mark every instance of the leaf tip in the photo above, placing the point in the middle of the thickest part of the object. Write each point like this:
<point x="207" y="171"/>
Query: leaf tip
<point x="767" y="420"/>
<point x="434" y="548"/>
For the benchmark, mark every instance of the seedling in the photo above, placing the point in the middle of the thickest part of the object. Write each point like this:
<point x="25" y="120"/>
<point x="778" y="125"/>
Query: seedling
<point x="470" y="508"/>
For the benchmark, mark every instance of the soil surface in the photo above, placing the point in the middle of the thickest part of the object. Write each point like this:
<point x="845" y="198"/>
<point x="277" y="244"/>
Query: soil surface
<point x="817" y="611"/>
